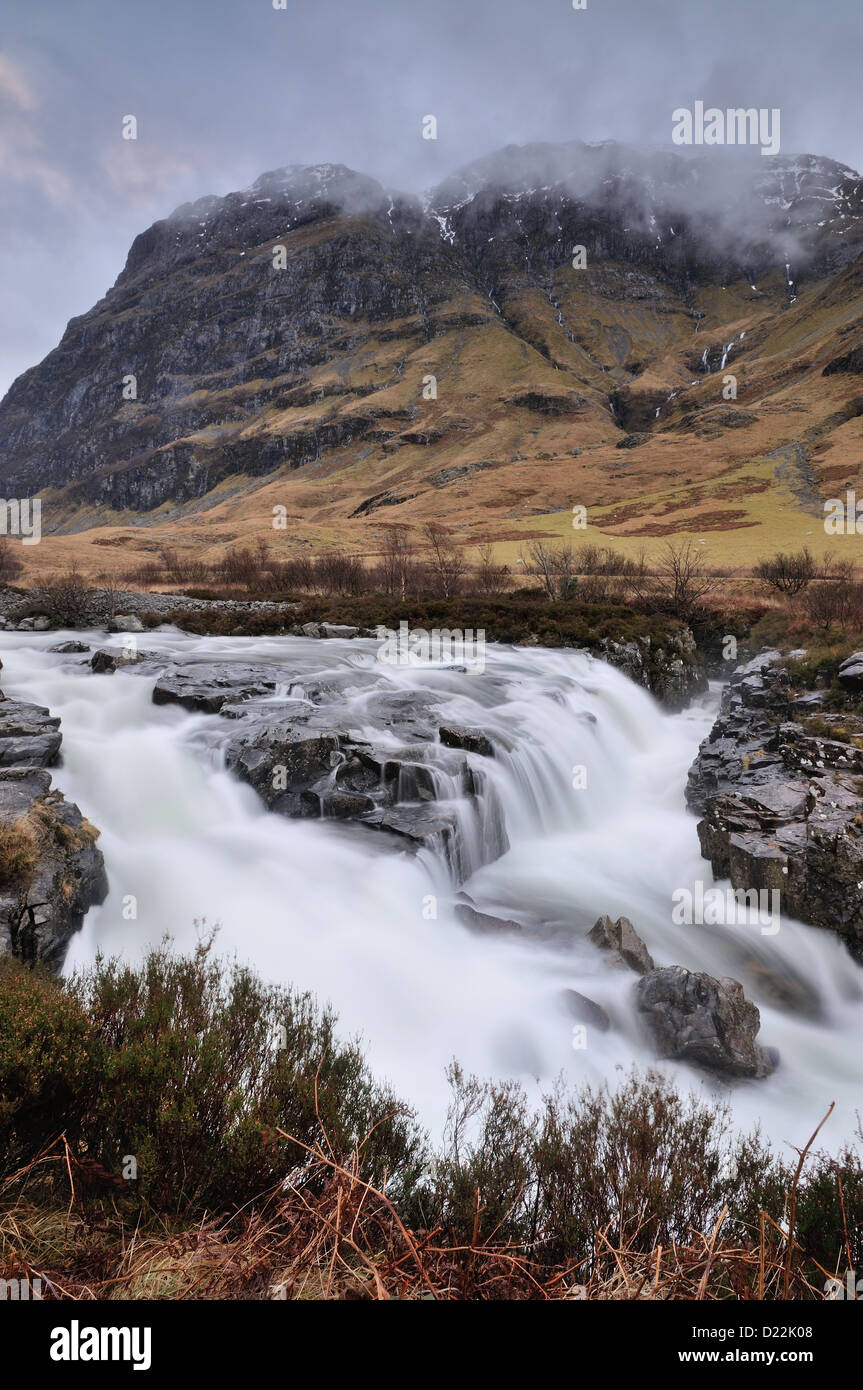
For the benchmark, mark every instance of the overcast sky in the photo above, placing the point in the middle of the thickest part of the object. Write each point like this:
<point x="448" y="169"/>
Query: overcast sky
<point x="224" y="89"/>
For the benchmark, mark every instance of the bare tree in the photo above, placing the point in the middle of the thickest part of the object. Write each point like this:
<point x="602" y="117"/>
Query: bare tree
<point x="787" y="574"/>
<point x="491" y="578"/>
<point x="397" y="565"/>
<point x="445" y="560"/>
<point x="538" y="563"/>
<point x="678" y="583"/>
<point x="554" y="566"/>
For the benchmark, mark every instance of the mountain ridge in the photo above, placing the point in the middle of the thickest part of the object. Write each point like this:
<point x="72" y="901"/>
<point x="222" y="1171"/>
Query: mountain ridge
<point x="313" y="374"/>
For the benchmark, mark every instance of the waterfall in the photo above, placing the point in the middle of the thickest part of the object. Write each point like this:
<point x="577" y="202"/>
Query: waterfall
<point x="579" y="812"/>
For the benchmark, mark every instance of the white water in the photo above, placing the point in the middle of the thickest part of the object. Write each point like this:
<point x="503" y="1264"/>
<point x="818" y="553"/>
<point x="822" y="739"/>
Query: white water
<point x="340" y="910"/>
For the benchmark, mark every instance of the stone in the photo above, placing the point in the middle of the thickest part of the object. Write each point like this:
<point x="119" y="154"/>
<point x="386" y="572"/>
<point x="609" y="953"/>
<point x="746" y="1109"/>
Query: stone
<point x="207" y="687"/>
<point x="623" y="942"/>
<point x="484" y="922"/>
<point x="471" y="740"/>
<point x="125" y="622"/>
<point x="69" y="648"/>
<point x="29" y="735"/>
<point x="850" y="673"/>
<point x="39" y="914"/>
<point x="585" y="1010"/>
<point x="706" y="1022"/>
<point x="780" y="809"/>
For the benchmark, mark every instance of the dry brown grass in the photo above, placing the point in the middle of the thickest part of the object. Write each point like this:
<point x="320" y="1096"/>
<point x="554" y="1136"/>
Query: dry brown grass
<point x="347" y="1242"/>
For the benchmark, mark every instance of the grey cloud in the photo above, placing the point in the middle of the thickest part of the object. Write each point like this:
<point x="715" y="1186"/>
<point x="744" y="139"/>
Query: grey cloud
<point x="225" y="89"/>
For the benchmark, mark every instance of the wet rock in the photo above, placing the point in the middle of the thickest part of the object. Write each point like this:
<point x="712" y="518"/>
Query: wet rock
<point x="586" y="1010"/>
<point x="310" y="629"/>
<point x="706" y="1022"/>
<point x="41" y="624"/>
<point x="338" y="630"/>
<point x="69" y="648"/>
<point x="106" y="660"/>
<point x="281" y="762"/>
<point x="208" y="687"/>
<point x="424" y="826"/>
<point x="781" y="810"/>
<point x="850" y="673"/>
<point x="484" y="922"/>
<point x="623" y="942"/>
<point x="669" y="670"/>
<point x="334" y="804"/>
<point x="29" y="735"/>
<point x="43" y="907"/>
<point x="125" y="622"/>
<point x="471" y="740"/>
<point x="779" y="984"/>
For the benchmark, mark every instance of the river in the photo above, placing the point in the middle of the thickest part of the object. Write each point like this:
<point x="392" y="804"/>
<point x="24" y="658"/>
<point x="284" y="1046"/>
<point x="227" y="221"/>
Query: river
<point x="346" y="912"/>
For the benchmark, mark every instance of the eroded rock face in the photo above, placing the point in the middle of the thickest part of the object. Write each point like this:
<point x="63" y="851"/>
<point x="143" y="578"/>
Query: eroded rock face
<point x="781" y="808"/>
<point x="669" y="671"/>
<point x="223" y="340"/>
<point x="29" y="735"/>
<point x="706" y="1022"/>
<point x="304" y="760"/>
<point x="51" y="871"/>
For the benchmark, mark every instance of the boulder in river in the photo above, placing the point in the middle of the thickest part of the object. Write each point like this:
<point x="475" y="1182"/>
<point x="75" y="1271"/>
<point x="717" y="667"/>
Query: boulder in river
<point x="206" y="687"/>
<point x="709" y="1023"/>
<point x="622" y="941"/>
<point x="106" y="660"/>
<point x="471" y="740"/>
<point x="125" y="622"/>
<point x="484" y="922"/>
<point x="586" y="1010"/>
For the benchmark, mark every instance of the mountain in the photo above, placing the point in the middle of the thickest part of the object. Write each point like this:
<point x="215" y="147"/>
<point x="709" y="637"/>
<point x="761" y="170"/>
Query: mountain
<point x="307" y="384"/>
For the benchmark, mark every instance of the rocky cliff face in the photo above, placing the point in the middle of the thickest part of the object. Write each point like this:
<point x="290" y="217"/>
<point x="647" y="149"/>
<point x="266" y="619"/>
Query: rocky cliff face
<point x="781" y="803"/>
<point x="247" y="363"/>
<point x="51" y="871"/>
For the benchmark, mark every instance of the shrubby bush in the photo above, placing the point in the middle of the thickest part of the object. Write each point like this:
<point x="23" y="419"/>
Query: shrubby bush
<point x="200" y="1070"/>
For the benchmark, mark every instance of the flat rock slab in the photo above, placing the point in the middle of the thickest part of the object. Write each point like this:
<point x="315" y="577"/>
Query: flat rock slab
<point x="29" y="735"/>
<point x="206" y="688"/>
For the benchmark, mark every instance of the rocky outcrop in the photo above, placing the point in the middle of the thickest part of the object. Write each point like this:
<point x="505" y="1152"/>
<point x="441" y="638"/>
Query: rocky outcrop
<point x="669" y="670"/>
<point x="29" y="735"/>
<point x="303" y="760"/>
<point x="781" y="809"/>
<point x="708" y="1023"/>
<point x="51" y="871"/>
<point x="208" y="687"/>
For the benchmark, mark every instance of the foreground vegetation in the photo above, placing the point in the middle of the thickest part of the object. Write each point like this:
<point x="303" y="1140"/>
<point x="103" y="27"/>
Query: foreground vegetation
<point x="182" y="1130"/>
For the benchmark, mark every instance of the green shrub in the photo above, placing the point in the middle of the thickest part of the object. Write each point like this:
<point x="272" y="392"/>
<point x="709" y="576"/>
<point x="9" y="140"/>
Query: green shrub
<point x="202" y="1063"/>
<point x="643" y="1164"/>
<point x="48" y="1063"/>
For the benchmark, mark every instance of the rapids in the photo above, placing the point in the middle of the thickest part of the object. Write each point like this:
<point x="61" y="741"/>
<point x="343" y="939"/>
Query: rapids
<point x="348" y="913"/>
